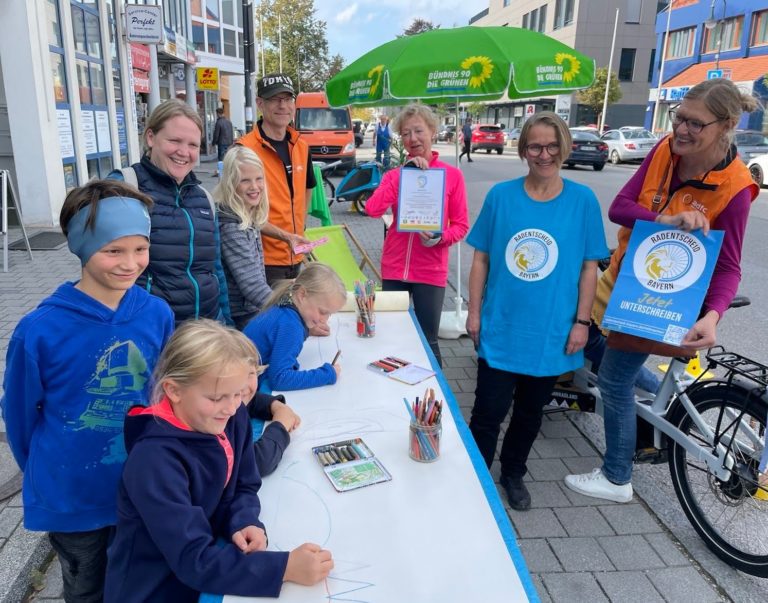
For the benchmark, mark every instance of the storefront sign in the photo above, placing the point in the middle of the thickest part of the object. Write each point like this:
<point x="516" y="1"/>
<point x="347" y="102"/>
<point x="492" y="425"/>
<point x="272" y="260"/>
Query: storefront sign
<point x="563" y="107"/>
<point x="140" y="81"/>
<point x="529" y="111"/>
<point x="140" y="57"/>
<point x="207" y="78"/>
<point x="144" y="23"/>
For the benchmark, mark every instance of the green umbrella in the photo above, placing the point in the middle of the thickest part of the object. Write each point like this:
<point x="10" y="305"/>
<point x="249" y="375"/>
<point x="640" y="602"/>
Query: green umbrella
<point x="465" y="64"/>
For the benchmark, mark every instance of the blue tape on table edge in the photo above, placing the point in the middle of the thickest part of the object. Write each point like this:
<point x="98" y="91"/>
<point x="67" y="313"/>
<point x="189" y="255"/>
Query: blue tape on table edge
<point x="486" y="481"/>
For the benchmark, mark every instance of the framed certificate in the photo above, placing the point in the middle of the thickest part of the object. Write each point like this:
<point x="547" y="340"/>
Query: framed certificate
<point x="421" y="200"/>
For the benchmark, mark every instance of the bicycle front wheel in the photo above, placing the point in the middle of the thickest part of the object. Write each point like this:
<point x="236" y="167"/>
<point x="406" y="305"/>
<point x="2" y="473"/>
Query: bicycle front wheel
<point x="726" y="514"/>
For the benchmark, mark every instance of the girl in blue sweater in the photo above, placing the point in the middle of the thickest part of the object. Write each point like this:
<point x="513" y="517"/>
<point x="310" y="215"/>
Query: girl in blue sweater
<point x="191" y="480"/>
<point x="280" y="329"/>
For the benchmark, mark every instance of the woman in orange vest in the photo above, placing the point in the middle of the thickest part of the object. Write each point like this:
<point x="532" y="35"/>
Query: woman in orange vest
<point x="693" y="179"/>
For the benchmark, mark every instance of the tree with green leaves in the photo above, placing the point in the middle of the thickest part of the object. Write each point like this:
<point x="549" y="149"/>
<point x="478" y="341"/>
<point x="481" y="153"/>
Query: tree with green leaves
<point x="474" y="110"/>
<point x="594" y="96"/>
<point x="304" y="42"/>
<point x="418" y="26"/>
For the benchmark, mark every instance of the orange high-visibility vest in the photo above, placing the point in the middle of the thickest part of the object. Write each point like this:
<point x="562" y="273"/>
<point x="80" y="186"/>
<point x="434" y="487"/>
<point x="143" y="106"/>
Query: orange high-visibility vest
<point x="286" y="211"/>
<point x="709" y="195"/>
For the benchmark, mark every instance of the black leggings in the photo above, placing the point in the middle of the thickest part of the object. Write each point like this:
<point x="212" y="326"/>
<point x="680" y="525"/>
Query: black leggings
<point x="428" y="307"/>
<point x="495" y="391"/>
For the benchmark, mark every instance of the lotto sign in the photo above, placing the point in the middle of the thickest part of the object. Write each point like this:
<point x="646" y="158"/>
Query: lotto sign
<point x="207" y="78"/>
<point x="663" y="279"/>
<point x="529" y="111"/>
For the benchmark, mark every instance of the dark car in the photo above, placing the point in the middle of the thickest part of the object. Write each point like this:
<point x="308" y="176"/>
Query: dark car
<point x="750" y="143"/>
<point x="446" y="133"/>
<point x="587" y="149"/>
<point x="358" y="128"/>
<point x="488" y="137"/>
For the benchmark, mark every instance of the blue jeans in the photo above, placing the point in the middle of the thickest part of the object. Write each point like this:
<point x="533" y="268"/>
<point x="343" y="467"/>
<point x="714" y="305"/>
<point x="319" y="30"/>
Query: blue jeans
<point x="379" y="153"/>
<point x="617" y="376"/>
<point x="595" y="349"/>
<point x="83" y="558"/>
<point x="221" y="150"/>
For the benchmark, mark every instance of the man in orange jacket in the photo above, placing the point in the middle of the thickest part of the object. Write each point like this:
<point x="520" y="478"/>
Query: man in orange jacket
<point x="288" y="172"/>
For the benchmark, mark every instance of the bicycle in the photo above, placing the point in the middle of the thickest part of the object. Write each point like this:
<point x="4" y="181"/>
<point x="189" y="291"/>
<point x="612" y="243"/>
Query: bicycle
<point x="712" y="434"/>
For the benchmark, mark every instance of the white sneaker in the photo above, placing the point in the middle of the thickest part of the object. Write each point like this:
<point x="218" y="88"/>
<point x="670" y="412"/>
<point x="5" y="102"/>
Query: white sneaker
<point x="597" y="485"/>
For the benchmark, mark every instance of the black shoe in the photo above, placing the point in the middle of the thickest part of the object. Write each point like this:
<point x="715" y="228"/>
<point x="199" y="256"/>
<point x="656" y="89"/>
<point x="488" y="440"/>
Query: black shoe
<point x="470" y="160"/>
<point x="517" y="494"/>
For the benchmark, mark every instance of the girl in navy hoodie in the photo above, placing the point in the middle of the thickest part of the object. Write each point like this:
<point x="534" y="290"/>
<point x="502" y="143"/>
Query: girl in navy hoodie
<point x="191" y="480"/>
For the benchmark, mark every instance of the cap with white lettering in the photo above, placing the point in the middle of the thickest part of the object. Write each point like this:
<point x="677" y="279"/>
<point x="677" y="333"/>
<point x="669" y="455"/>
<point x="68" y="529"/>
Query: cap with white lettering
<point x="274" y="83"/>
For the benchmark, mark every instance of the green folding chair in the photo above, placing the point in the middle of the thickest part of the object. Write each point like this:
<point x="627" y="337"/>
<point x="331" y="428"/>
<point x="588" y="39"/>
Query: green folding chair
<point x="338" y="255"/>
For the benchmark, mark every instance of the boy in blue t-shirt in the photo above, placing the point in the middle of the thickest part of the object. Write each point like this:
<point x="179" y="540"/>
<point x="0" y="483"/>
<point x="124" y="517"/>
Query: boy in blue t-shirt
<point x="75" y="365"/>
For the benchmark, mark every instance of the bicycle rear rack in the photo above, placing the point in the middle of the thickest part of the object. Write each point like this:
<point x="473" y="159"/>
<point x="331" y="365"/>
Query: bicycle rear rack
<point x="736" y="364"/>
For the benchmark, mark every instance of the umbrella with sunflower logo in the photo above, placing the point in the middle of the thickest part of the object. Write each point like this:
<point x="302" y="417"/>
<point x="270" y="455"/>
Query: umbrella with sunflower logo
<point x="465" y="64"/>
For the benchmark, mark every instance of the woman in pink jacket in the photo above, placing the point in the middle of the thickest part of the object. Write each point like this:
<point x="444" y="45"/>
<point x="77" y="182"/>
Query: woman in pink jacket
<point x="417" y="262"/>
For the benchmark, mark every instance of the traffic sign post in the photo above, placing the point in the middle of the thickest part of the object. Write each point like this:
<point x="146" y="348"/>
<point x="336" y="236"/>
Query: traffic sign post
<point x="714" y="74"/>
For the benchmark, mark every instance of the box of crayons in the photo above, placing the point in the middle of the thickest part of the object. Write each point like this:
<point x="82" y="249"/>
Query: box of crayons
<point x="350" y="465"/>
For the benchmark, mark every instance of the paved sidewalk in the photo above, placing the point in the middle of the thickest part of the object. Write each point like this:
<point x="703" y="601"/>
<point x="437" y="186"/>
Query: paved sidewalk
<point x="577" y="548"/>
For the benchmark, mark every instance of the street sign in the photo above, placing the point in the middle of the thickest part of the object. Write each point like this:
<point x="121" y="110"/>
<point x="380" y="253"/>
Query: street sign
<point x="144" y="23"/>
<point x="714" y="74"/>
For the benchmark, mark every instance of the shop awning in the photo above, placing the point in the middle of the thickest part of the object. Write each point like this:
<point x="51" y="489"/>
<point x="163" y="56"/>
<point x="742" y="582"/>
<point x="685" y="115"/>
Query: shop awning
<point x="737" y="70"/>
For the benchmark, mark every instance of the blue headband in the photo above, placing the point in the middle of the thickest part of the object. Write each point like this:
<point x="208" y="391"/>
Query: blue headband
<point x="116" y="217"/>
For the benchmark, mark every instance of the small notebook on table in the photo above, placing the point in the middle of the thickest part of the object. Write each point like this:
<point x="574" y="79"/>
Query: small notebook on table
<point x="350" y="464"/>
<point x="401" y="370"/>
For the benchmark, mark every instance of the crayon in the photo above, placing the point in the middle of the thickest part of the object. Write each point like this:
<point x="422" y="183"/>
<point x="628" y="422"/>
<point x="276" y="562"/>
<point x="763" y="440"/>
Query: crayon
<point x="359" y="451"/>
<point x="336" y="357"/>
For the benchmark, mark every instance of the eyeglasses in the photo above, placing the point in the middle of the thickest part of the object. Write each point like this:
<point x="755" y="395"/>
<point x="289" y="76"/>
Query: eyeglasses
<point x="694" y="125"/>
<point x="534" y="150"/>
<point x="276" y="100"/>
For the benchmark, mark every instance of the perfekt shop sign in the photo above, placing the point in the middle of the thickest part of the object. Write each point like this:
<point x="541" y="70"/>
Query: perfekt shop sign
<point x="207" y="78"/>
<point x="144" y="23"/>
<point x="663" y="279"/>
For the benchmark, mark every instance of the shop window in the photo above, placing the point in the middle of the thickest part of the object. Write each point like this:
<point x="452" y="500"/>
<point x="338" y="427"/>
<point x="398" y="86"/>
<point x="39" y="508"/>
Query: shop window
<point x="98" y="89"/>
<point x="230" y="43"/>
<point x="198" y="36"/>
<point x="59" y="78"/>
<point x="78" y="29"/>
<point x="214" y="39"/>
<point x="228" y="11"/>
<point x="241" y="48"/>
<point x="92" y="35"/>
<point x="196" y="8"/>
<point x="52" y="19"/>
<point x="760" y="29"/>
<point x="212" y="9"/>
<point x="726" y="35"/>
<point x="70" y="176"/>
<point x="83" y="84"/>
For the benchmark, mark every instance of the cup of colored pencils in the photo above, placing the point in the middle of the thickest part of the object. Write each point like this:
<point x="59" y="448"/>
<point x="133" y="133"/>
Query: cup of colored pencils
<point x="426" y="428"/>
<point x="365" y="298"/>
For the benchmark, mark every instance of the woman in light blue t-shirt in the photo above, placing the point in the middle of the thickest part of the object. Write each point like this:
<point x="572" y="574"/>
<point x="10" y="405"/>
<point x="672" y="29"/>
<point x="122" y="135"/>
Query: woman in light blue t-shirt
<point x="534" y="272"/>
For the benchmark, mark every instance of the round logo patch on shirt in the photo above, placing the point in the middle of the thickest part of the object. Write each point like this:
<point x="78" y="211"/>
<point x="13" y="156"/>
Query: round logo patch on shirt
<point x="669" y="261"/>
<point x="531" y="254"/>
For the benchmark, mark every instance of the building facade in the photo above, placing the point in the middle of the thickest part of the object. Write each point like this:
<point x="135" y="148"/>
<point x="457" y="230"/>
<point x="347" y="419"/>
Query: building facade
<point x="709" y="38"/>
<point x="587" y="26"/>
<point x="75" y="94"/>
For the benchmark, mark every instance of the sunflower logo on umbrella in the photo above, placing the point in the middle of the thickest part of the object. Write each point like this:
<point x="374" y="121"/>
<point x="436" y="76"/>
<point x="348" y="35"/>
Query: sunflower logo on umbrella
<point x="375" y="73"/>
<point x="481" y="68"/>
<point x="574" y="65"/>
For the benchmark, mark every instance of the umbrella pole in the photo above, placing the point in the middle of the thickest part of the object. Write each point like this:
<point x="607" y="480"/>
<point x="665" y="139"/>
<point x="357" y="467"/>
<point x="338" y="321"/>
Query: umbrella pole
<point x="454" y="324"/>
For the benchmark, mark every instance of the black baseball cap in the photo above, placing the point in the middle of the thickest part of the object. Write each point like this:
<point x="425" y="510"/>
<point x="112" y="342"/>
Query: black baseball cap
<point x="274" y="83"/>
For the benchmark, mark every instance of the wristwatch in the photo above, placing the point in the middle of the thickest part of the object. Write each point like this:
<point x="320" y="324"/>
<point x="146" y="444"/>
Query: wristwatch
<point x="586" y="323"/>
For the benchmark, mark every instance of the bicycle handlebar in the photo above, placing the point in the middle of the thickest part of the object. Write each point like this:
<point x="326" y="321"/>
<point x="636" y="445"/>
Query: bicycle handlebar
<point x="329" y="166"/>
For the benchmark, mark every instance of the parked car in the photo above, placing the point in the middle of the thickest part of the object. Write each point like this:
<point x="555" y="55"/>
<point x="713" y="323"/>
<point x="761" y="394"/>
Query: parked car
<point x="750" y="144"/>
<point x="628" y="144"/>
<point x="512" y="134"/>
<point x="488" y="137"/>
<point x="758" y="168"/>
<point x="446" y="133"/>
<point x="587" y="149"/>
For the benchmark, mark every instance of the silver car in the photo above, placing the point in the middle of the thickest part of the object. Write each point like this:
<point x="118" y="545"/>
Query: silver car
<point x="628" y="144"/>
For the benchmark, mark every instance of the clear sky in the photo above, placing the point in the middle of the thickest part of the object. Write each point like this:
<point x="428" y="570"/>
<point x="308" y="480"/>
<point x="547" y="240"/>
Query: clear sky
<point x="357" y="26"/>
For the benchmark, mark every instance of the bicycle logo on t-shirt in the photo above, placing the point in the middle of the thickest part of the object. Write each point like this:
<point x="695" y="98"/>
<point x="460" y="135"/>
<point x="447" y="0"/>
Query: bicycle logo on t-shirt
<point x="531" y="254"/>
